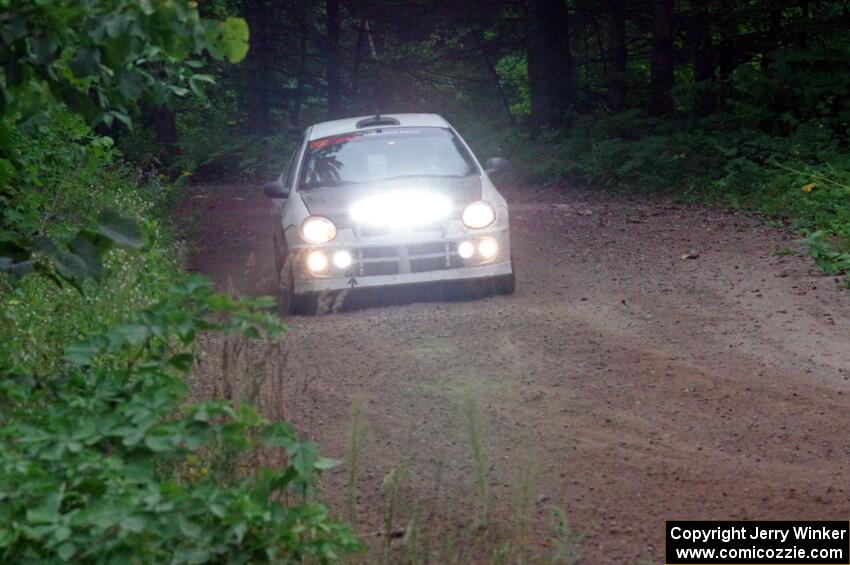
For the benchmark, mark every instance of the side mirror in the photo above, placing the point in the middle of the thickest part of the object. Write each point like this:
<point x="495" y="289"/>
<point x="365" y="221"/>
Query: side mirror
<point x="275" y="189"/>
<point x="497" y="165"/>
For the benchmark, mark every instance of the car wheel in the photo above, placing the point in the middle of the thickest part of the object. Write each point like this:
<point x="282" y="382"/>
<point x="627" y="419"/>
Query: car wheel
<point x="278" y="258"/>
<point x="505" y="284"/>
<point x="287" y="301"/>
<point x="286" y="287"/>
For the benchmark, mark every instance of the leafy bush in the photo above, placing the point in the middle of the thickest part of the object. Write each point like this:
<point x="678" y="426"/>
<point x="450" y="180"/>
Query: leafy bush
<point x="104" y="461"/>
<point x="94" y="61"/>
<point x="101" y="457"/>
<point x="82" y="176"/>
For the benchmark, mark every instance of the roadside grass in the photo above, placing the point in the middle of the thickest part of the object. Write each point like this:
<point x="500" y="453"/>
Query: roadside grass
<point x="415" y="530"/>
<point x="357" y="439"/>
<point x="421" y="518"/>
<point x="475" y="428"/>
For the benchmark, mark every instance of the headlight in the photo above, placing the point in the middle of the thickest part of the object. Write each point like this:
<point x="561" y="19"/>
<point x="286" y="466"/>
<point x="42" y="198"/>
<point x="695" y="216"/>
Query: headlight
<point x="479" y="215"/>
<point x="317" y="229"/>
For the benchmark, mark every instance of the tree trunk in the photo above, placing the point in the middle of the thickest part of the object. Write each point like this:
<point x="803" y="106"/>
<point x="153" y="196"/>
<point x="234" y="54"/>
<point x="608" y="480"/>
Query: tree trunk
<point x="358" y="57"/>
<point x="728" y="35"/>
<point x="703" y="58"/>
<point x="332" y="59"/>
<point x="771" y="42"/>
<point x="661" y="86"/>
<point x="617" y="35"/>
<point x="258" y="69"/>
<point x="494" y="75"/>
<point x="551" y="67"/>
<point x="301" y="72"/>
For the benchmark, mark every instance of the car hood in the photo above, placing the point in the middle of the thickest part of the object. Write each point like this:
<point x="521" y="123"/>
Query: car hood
<point x="334" y="203"/>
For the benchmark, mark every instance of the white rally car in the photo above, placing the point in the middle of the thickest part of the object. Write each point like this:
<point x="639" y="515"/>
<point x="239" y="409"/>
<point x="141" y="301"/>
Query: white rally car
<point x="386" y="200"/>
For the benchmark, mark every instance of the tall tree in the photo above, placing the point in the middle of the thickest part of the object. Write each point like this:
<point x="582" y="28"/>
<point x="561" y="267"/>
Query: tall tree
<point x="661" y="87"/>
<point x="333" y="64"/>
<point x="728" y="36"/>
<point x="551" y="67"/>
<point x="617" y="38"/>
<point x="258" y="67"/>
<point x="301" y="69"/>
<point x="704" y="60"/>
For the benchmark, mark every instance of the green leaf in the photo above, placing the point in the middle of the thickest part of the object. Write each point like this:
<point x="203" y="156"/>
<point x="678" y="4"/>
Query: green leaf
<point x="69" y="265"/>
<point x="116" y="24"/>
<point x="303" y="457"/>
<point x="131" y="333"/>
<point x="17" y="269"/>
<point x="85" y="248"/>
<point x="44" y="49"/>
<point x="192" y="555"/>
<point x="119" y="229"/>
<point x="130" y="84"/>
<point x="84" y="62"/>
<point x="231" y="39"/>
<point x="82" y="353"/>
<point x="47" y="512"/>
<point x="195" y="83"/>
<point x="66" y="551"/>
<point x="133" y="524"/>
<point x="182" y="361"/>
<point x="326" y="463"/>
<point x="279" y="434"/>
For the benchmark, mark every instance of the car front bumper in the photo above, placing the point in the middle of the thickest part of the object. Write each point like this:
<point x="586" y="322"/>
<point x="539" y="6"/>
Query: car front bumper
<point x="413" y="258"/>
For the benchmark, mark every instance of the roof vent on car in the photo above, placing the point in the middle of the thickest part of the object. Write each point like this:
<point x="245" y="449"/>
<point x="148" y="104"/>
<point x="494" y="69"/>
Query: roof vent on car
<point x="377" y="120"/>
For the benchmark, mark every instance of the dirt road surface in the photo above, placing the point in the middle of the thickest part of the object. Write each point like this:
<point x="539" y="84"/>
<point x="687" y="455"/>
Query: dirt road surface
<point x="658" y="361"/>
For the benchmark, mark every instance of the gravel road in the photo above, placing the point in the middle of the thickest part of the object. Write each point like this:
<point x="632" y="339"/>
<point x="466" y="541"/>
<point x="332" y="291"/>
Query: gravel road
<point x="658" y="361"/>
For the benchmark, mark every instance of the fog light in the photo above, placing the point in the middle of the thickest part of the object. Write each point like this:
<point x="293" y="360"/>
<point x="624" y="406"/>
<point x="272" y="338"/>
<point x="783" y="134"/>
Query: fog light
<point x="317" y="262"/>
<point x="488" y="248"/>
<point x="466" y="249"/>
<point x="342" y="259"/>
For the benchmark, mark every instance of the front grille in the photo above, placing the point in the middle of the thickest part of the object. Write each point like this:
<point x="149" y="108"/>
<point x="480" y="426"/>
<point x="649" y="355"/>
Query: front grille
<point x="372" y="231"/>
<point x="427" y="248"/>
<point x="378" y="252"/>
<point x="413" y="258"/>
<point x="374" y="269"/>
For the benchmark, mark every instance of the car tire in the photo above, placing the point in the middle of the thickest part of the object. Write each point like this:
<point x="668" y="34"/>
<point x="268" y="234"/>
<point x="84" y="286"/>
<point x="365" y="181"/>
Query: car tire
<point x="288" y="302"/>
<point x="286" y="287"/>
<point x="504" y="284"/>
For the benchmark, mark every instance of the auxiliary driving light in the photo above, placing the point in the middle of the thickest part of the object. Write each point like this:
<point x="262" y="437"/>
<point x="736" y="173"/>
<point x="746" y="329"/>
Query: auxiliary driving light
<point x="488" y="248"/>
<point x="317" y="262"/>
<point x="466" y="249"/>
<point x="342" y="259"/>
<point x="402" y="208"/>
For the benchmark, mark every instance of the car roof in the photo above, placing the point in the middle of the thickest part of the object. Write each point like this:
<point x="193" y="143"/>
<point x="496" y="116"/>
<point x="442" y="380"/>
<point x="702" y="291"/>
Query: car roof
<point x="347" y="125"/>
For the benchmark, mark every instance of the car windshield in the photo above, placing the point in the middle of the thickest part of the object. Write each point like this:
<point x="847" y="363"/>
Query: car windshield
<point x="382" y="154"/>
